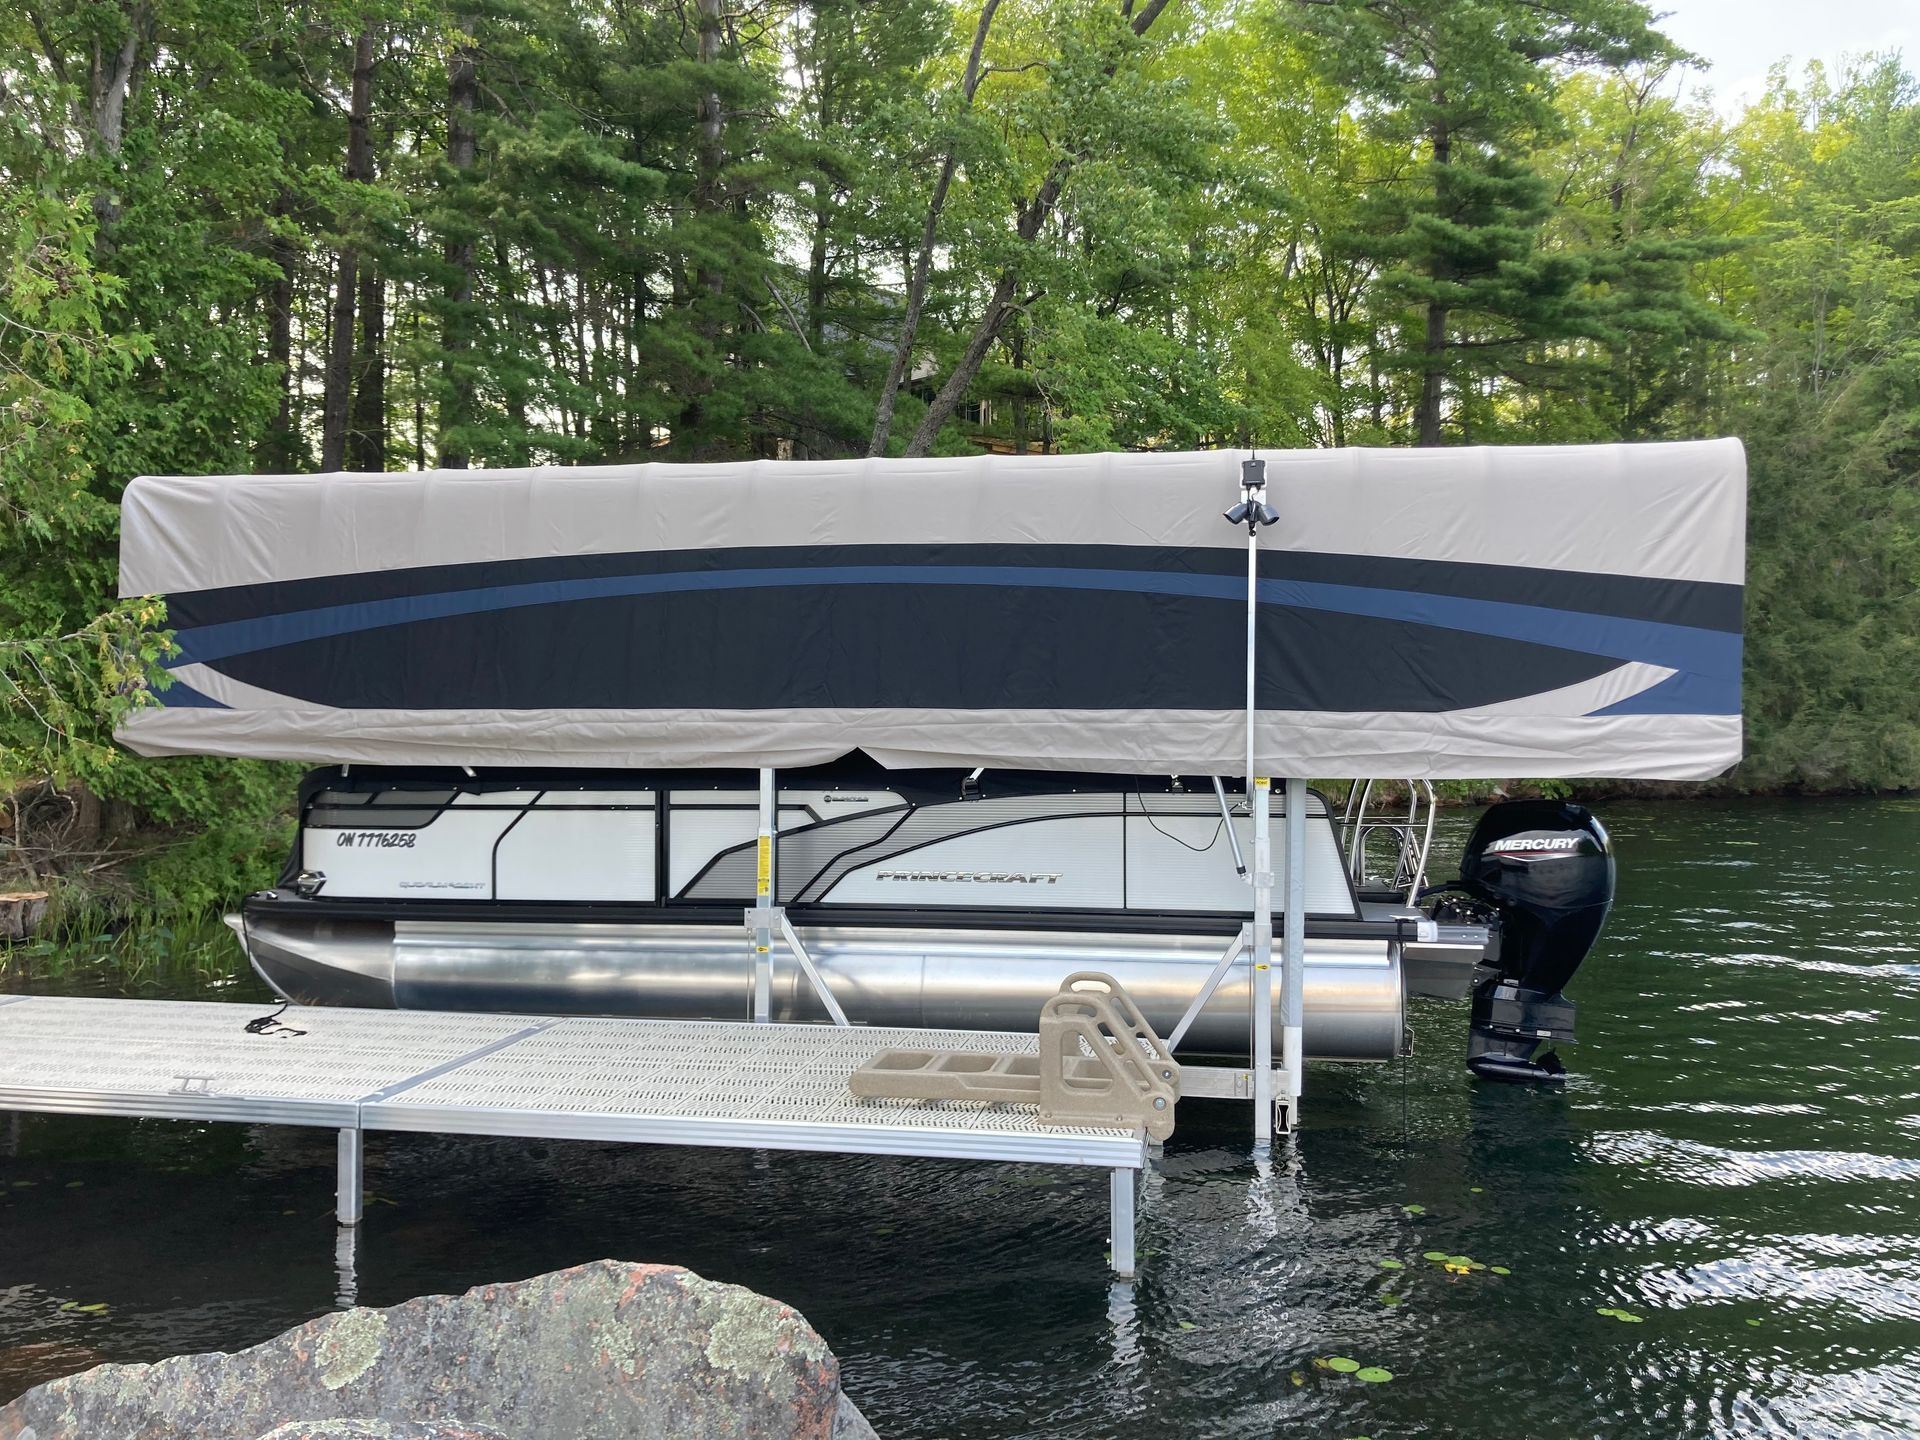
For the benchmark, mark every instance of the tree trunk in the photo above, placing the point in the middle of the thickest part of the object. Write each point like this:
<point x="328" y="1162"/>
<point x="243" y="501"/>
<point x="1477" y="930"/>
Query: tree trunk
<point x="337" y="391"/>
<point x="369" y="449"/>
<point x="1033" y="215"/>
<point x="817" y="268"/>
<point x="1432" y="385"/>
<point x="339" y="368"/>
<point x="419" y="396"/>
<point x="513" y="386"/>
<point x="709" y="199"/>
<point x="113" y="78"/>
<point x="456" y="338"/>
<point x="1017" y="353"/>
<point x="713" y="133"/>
<point x="1433" y="348"/>
<point x="923" y="260"/>
<point x="279" y="446"/>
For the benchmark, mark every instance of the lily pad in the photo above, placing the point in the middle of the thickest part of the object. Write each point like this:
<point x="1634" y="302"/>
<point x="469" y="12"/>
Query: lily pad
<point x="1475" y="1190"/>
<point x="1500" y="1269"/>
<point x="1297" y="1378"/>
<point x="1187" y="1325"/>
<point x="1461" y="1260"/>
<point x="1391" y="1265"/>
<point x="1753" y="1322"/>
<point x="1391" y="1299"/>
<point x="1342" y="1365"/>
<point x="1437" y="1256"/>
<point x="1625" y="1317"/>
<point x="1413" y="1209"/>
<point x="97" y="1308"/>
<point x="1373" y="1375"/>
<point x="75" y="1184"/>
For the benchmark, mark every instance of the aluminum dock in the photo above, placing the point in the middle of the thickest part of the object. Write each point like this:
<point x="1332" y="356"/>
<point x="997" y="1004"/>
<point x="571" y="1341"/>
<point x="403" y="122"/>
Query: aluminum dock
<point x="734" y="1085"/>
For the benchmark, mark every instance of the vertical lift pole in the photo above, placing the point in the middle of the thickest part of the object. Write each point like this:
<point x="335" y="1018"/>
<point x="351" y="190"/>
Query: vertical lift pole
<point x="1256" y="514"/>
<point x="760" y="919"/>
<point x="766" y="918"/>
<point x="1293" y="957"/>
<point x="1255" y="940"/>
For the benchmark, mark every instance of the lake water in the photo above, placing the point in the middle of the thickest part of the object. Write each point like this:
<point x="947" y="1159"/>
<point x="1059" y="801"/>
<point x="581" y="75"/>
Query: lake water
<point x="1736" y="1162"/>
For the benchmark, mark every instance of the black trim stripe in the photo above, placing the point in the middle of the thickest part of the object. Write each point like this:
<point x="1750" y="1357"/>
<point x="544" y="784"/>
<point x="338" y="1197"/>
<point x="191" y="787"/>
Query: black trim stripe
<point x="1698" y="603"/>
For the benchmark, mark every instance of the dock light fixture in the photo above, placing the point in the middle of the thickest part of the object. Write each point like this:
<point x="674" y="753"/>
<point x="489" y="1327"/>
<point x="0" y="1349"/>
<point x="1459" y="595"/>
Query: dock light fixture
<point x="1253" y="510"/>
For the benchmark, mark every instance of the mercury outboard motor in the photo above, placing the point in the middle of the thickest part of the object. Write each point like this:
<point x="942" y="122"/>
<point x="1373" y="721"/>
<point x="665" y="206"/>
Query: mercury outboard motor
<point x="1546" y="867"/>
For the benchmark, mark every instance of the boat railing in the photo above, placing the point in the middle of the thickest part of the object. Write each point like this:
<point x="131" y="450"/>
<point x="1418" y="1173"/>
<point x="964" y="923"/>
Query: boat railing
<point x="1400" y="841"/>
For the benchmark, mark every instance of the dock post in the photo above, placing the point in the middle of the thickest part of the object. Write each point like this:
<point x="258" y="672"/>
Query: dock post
<point x="1293" y="955"/>
<point x="762" y="914"/>
<point x="347" y="1196"/>
<point x="1120" y="1193"/>
<point x="1262" y="1047"/>
<point x="346" y="1266"/>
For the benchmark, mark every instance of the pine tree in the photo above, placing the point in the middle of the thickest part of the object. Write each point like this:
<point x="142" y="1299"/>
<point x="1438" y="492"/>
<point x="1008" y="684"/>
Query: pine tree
<point x="1470" y="83"/>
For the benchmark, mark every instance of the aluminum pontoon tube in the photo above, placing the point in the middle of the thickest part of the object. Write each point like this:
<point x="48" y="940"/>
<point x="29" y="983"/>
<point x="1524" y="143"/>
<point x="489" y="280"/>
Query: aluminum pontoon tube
<point x="951" y="979"/>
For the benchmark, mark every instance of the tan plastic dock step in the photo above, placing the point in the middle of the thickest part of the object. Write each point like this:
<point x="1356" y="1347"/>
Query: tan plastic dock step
<point x="1099" y="1063"/>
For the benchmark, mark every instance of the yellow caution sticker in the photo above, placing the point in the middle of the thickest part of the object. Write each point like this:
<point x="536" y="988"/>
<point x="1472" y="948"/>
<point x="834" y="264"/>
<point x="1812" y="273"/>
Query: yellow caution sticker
<point x="1261" y="967"/>
<point x="764" y="876"/>
<point x="1261" y="782"/>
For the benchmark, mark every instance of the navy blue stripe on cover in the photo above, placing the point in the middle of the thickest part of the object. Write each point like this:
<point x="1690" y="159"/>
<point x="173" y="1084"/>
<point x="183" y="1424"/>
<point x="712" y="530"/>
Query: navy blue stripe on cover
<point x="924" y="635"/>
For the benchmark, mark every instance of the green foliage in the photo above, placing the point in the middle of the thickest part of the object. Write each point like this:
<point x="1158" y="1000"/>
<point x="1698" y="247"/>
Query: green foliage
<point x="684" y="230"/>
<point x="1832" y="423"/>
<point x="65" y="664"/>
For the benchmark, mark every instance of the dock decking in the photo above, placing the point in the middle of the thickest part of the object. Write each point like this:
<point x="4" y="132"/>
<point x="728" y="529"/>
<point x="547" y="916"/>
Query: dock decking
<point x="664" y="1082"/>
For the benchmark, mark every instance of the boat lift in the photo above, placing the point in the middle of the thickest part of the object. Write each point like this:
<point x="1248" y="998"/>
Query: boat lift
<point x="1275" y="1093"/>
<point x="1456" y="570"/>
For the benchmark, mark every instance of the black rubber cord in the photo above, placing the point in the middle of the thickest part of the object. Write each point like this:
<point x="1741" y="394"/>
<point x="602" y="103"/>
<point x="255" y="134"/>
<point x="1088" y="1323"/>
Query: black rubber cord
<point x="271" y="1024"/>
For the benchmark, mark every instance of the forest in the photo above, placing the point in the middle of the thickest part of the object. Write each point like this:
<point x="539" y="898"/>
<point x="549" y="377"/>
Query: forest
<point x="414" y="233"/>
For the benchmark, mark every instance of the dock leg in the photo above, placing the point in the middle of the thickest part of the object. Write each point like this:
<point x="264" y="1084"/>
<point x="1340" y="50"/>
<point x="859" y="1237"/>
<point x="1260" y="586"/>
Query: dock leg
<point x="760" y="918"/>
<point x="1262" y="1038"/>
<point x="346" y="1266"/>
<point x="1120" y="1189"/>
<point x="347" y="1199"/>
<point x="1293" y="956"/>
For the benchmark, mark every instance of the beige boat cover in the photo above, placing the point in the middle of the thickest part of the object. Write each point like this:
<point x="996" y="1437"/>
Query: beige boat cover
<point x="1447" y="614"/>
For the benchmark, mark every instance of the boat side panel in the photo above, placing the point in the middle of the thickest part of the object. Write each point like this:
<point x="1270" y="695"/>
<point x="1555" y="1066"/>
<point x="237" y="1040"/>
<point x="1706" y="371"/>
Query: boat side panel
<point x="1077" y="862"/>
<point x="1022" y="852"/>
<point x="450" y="855"/>
<point x="558" y="854"/>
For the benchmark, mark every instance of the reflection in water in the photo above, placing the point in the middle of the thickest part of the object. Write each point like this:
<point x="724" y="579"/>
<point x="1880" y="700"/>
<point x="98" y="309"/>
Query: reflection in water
<point x="1734" y="1163"/>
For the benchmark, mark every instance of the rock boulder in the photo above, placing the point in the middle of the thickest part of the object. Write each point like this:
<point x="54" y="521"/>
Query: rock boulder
<point x="607" y="1351"/>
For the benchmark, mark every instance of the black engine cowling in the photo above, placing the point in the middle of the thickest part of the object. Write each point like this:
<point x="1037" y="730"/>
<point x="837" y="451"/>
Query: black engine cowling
<point x="1546" y="867"/>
